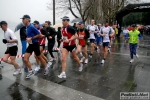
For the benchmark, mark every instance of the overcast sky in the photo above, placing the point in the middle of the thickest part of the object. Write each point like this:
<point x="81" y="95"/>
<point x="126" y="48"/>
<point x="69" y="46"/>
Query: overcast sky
<point x="13" y="10"/>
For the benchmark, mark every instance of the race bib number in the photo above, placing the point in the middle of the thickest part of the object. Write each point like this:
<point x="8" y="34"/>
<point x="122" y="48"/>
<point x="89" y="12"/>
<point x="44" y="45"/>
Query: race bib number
<point x="81" y="36"/>
<point x="105" y="33"/>
<point x="64" y="38"/>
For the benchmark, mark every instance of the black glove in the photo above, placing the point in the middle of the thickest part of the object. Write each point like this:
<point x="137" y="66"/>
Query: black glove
<point x="5" y="41"/>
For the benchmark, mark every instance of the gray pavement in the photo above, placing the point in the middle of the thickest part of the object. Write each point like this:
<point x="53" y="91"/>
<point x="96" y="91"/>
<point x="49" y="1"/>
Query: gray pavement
<point x="96" y="82"/>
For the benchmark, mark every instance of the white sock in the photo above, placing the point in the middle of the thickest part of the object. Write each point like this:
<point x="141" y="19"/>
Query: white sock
<point x="63" y="73"/>
<point x="30" y="70"/>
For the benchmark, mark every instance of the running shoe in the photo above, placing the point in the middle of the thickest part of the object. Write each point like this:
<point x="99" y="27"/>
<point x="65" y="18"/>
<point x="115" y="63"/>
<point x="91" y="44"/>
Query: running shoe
<point x="62" y="75"/>
<point x="81" y="68"/>
<point x="103" y="61"/>
<point x="46" y="71"/>
<point x="31" y="72"/>
<point x="137" y="56"/>
<point x="96" y="48"/>
<point x="37" y="68"/>
<point x="90" y="56"/>
<point x="86" y="61"/>
<point x="47" y="68"/>
<point x="17" y="71"/>
<point x="109" y="50"/>
<point x="132" y="60"/>
<point x="52" y="59"/>
<point x="49" y="64"/>
<point x="82" y="59"/>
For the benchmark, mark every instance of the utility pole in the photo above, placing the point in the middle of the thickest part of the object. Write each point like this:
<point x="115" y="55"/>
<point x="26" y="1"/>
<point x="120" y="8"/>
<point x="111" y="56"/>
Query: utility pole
<point x="53" y="12"/>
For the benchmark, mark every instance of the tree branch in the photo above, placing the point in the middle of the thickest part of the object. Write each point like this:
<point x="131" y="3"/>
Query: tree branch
<point x="72" y="10"/>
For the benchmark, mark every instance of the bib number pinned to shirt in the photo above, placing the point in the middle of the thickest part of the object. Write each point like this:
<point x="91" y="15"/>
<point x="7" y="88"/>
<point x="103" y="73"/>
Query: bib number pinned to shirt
<point x="64" y="38"/>
<point x="81" y="36"/>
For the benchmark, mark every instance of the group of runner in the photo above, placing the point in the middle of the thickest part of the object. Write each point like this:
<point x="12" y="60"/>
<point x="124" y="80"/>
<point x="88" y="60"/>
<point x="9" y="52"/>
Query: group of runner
<point x="97" y="35"/>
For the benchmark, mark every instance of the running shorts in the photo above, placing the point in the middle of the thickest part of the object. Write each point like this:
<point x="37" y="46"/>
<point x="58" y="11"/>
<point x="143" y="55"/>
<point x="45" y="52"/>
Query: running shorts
<point x="34" y="47"/>
<point x="12" y="50"/>
<point x="105" y="44"/>
<point x="70" y="48"/>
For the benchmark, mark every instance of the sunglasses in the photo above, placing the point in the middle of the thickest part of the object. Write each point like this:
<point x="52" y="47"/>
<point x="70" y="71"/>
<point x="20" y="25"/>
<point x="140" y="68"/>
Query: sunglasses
<point x="65" y="20"/>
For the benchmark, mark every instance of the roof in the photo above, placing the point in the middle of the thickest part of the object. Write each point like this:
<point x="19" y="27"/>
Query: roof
<point x="143" y="7"/>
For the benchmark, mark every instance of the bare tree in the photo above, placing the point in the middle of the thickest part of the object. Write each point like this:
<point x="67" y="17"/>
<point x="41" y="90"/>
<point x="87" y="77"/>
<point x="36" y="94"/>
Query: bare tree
<point x="99" y="10"/>
<point x="78" y="8"/>
<point x="107" y="9"/>
<point x="96" y="12"/>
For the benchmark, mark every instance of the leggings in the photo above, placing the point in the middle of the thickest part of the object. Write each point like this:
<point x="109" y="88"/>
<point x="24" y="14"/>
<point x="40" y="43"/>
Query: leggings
<point x="50" y="48"/>
<point x="58" y="43"/>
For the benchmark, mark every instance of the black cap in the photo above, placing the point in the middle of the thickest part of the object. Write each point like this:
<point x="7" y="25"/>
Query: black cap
<point x="3" y="23"/>
<point x="134" y="25"/>
<point x="65" y="18"/>
<point x="25" y="16"/>
<point x="36" y="22"/>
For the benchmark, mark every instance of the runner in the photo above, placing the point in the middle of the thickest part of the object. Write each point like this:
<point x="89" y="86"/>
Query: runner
<point x="83" y="35"/>
<point x="99" y="38"/>
<point x="113" y="37"/>
<point x="33" y="36"/>
<point x="75" y="26"/>
<point x="41" y="43"/>
<point x="106" y="32"/>
<point x="69" y="45"/>
<point x="12" y="48"/>
<point x="140" y="36"/>
<point x="51" y="38"/>
<point x="23" y="37"/>
<point x="93" y="29"/>
<point x="59" y="36"/>
<point x="134" y="34"/>
<point x="125" y="33"/>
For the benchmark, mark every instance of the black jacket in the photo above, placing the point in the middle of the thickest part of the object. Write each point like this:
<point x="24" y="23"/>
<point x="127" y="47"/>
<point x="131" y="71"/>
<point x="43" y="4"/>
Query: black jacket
<point x="43" y="31"/>
<point x="23" y="34"/>
<point x="51" y="32"/>
<point x="59" y="36"/>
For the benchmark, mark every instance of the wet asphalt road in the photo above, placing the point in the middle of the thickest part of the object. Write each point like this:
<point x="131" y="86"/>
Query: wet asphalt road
<point x="95" y="82"/>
